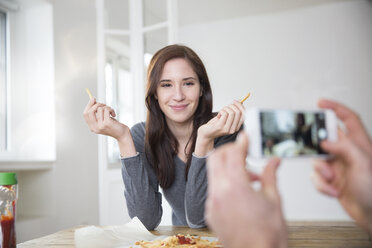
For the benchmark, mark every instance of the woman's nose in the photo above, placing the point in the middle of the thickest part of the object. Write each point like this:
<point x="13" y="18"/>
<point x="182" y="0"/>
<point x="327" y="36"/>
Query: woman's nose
<point x="178" y="94"/>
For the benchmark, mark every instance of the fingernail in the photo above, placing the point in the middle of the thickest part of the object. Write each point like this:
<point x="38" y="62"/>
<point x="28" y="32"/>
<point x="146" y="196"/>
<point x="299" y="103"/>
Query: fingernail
<point x="326" y="173"/>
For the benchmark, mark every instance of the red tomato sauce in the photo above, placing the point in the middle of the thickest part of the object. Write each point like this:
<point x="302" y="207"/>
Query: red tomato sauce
<point x="8" y="232"/>
<point x="183" y="240"/>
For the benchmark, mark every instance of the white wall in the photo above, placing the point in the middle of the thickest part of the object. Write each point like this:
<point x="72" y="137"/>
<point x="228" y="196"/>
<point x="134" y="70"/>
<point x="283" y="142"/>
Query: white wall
<point x="76" y="69"/>
<point x="290" y="58"/>
<point x="66" y="194"/>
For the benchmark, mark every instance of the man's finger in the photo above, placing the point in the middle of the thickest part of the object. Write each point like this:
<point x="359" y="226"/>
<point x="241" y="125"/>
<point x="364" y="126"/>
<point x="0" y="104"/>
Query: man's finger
<point x="341" y="148"/>
<point x="242" y="142"/>
<point x="216" y="168"/>
<point x="323" y="169"/>
<point x="322" y="186"/>
<point x="343" y="113"/>
<point x="253" y="177"/>
<point x="352" y="121"/>
<point x="269" y="186"/>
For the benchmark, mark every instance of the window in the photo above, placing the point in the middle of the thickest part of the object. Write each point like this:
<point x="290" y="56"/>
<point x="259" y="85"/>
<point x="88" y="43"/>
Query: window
<point x="3" y="83"/>
<point x="129" y="42"/>
<point x="129" y="32"/>
<point x="27" y="122"/>
<point x="119" y="95"/>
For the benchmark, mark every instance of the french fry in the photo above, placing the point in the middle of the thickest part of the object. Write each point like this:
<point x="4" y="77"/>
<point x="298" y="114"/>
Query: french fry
<point x="245" y="98"/>
<point x="89" y="93"/>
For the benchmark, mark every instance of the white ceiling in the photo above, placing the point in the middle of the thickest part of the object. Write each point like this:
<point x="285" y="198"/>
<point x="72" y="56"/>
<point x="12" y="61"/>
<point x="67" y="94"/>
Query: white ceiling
<point x="196" y="11"/>
<point x="199" y="11"/>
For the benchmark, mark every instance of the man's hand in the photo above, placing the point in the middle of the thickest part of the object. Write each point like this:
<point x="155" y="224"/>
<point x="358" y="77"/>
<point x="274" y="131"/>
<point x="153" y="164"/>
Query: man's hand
<point x="237" y="213"/>
<point x="348" y="174"/>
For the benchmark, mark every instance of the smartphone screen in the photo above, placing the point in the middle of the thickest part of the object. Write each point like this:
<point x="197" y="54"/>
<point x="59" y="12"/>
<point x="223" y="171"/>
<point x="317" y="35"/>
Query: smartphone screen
<point x="288" y="133"/>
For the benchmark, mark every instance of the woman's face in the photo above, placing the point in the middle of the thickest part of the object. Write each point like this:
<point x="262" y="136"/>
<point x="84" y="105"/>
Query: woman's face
<point x="178" y="91"/>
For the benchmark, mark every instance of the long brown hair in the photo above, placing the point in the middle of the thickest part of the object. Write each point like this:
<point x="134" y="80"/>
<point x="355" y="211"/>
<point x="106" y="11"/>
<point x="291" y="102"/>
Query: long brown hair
<point x="160" y="143"/>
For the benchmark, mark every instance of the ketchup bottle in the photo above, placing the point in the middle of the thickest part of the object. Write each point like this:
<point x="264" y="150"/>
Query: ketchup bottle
<point x="8" y="199"/>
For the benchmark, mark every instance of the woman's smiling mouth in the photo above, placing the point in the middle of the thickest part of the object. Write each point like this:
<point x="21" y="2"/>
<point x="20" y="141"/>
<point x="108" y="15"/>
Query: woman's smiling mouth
<point x="178" y="107"/>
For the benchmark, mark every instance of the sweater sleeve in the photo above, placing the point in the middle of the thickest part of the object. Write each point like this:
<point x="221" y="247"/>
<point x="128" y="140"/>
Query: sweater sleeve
<point x="196" y="192"/>
<point x="196" y="186"/>
<point x="141" y="187"/>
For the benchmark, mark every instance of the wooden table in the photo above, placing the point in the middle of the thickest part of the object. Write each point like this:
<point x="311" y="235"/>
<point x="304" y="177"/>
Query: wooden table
<point x="301" y="234"/>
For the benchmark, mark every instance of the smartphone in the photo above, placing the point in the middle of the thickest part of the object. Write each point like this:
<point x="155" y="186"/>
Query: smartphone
<point x="289" y="133"/>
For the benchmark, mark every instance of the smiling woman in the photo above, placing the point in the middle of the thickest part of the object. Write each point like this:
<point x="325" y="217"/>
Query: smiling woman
<point x="179" y="91"/>
<point x="171" y="148"/>
<point x="179" y="97"/>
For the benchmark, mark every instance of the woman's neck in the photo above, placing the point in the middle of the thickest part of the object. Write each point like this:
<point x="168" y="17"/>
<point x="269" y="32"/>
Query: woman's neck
<point x="181" y="131"/>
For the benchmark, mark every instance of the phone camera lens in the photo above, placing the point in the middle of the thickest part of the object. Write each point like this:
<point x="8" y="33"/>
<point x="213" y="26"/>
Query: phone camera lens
<point x="322" y="133"/>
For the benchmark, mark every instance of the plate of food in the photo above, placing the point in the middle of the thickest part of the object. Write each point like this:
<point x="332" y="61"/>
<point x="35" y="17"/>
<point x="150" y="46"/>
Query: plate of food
<point x="179" y="241"/>
<point x="135" y="235"/>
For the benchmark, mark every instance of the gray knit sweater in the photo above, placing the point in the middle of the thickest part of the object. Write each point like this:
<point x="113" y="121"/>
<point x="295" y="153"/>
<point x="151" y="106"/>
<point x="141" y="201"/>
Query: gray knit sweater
<point x="186" y="198"/>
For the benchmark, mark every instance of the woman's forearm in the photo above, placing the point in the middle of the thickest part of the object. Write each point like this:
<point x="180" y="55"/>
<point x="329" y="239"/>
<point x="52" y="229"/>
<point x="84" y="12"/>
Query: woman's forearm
<point x="203" y="146"/>
<point x="196" y="193"/>
<point x="126" y="146"/>
<point x="141" y="192"/>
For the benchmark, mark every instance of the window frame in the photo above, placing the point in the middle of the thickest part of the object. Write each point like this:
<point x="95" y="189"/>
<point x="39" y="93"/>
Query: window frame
<point x="4" y="82"/>
<point x="27" y="141"/>
<point x="113" y="98"/>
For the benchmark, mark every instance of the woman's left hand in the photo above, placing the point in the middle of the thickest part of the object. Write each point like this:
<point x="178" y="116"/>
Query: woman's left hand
<point x="227" y="121"/>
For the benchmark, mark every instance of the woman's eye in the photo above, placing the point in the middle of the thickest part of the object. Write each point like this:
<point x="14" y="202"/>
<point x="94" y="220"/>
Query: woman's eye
<point x="165" y="85"/>
<point x="189" y="83"/>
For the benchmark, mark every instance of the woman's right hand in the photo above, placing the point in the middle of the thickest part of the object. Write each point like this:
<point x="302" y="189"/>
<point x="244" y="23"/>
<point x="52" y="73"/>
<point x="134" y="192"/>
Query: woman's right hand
<point x="100" y="120"/>
<point x="227" y="121"/>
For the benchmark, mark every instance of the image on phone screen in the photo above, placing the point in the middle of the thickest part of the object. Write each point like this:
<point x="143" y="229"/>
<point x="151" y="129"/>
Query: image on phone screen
<point x="288" y="134"/>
